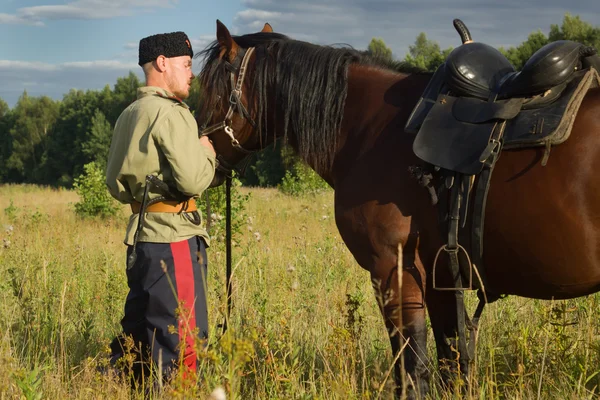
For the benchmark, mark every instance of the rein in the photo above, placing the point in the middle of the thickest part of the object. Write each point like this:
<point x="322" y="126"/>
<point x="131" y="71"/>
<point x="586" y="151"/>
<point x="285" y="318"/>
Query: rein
<point x="235" y="104"/>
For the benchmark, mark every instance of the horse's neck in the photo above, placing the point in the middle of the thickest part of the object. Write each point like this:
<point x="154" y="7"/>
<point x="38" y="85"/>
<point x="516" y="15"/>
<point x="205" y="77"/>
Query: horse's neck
<point x="378" y="103"/>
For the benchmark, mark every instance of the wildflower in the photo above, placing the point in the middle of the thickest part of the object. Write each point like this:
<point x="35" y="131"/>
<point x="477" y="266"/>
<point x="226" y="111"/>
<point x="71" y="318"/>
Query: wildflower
<point x="6" y="243"/>
<point x="291" y="268"/>
<point x="257" y="236"/>
<point x="218" y="394"/>
<point x="295" y="285"/>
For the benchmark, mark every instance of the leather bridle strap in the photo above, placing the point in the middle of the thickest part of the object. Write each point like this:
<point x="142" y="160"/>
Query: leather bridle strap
<point x="235" y="103"/>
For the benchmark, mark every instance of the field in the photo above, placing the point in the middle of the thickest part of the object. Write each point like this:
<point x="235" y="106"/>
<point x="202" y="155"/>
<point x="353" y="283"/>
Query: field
<point x="304" y="323"/>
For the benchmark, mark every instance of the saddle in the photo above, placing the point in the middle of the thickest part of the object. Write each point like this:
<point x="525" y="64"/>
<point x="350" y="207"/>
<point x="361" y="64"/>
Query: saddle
<point x="477" y="105"/>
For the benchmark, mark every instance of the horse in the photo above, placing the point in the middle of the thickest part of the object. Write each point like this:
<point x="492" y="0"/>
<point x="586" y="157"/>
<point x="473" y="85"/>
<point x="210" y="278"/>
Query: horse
<point x="344" y="114"/>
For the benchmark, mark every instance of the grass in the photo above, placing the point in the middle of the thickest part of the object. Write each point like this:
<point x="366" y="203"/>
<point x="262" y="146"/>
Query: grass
<point x="304" y="324"/>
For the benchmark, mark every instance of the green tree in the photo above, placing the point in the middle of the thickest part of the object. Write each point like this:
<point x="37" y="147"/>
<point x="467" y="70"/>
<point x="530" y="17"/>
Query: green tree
<point x="379" y="49"/>
<point x="195" y="99"/>
<point x="65" y="156"/>
<point x="97" y="143"/>
<point x="573" y="28"/>
<point x="519" y="55"/>
<point x="32" y="121"/>
<point x="5" y="139"/>
<point x="426" y="54"/>
<point x="124" y="93"/>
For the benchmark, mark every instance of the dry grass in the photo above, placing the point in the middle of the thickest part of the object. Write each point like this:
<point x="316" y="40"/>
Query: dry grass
<point x="63" y="290"/>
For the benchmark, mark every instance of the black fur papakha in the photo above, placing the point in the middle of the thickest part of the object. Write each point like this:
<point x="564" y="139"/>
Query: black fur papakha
<point x="173" y="44"/>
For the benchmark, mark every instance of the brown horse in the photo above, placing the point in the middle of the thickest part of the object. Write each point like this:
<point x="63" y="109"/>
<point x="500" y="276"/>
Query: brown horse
<point x="345" y="115"/>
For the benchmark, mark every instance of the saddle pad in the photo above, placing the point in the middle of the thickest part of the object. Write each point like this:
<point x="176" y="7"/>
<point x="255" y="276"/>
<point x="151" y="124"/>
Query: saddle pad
<point x="551" y="124"/>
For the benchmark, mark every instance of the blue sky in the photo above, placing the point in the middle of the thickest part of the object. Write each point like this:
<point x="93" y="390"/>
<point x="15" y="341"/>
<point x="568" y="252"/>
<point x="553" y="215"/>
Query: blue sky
<point x="51" y="46"/>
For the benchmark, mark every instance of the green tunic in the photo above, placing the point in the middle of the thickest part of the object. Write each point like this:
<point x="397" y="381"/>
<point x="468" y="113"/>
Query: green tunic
<point x="158" y="135"/>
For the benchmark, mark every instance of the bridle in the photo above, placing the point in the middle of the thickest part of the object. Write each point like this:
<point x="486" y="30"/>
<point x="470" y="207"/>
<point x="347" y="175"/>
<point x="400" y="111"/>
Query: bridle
<point x="235" y="104"/>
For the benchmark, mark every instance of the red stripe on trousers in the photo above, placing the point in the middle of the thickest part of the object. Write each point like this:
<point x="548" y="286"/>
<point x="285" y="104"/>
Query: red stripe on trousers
<point x="184" y="281"/>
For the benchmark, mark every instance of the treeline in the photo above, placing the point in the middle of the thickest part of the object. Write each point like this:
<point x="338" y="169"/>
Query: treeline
<point x="45" y="141"/>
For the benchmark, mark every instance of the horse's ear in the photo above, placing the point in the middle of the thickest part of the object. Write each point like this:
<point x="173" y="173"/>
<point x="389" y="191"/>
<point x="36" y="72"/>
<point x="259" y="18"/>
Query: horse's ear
<point x="267" y="28"/>
<point x="227" y="43"/>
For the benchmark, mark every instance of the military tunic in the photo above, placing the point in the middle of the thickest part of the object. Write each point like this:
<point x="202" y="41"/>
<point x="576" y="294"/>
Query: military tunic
<point x="158" y="135"/>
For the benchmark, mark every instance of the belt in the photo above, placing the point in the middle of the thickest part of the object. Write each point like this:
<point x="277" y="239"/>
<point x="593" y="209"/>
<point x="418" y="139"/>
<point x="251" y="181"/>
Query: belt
<point x="166" y="206"/>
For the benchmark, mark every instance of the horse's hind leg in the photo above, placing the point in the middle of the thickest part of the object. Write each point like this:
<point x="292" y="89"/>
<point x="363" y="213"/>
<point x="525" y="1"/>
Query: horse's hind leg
<point x="405" y="322"/>
<point x="442" y="314"/>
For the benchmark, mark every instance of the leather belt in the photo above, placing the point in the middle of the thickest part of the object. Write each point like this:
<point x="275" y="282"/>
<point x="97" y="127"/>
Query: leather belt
<point x="167" y="206"/>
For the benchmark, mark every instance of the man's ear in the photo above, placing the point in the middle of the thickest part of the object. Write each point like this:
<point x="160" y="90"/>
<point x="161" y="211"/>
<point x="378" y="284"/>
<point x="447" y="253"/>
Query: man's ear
<point x="161" y="63"/>
<point x="228" y="45"/>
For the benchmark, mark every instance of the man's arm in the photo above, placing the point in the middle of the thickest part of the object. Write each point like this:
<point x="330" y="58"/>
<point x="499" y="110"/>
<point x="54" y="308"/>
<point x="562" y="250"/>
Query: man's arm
<point x="192" y="160"/>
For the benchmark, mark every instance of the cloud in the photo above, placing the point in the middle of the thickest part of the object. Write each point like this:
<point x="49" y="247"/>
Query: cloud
<point x="55" y="80"/>
<point x="83" y="9"/>
<point x="9" y="19"/>
<point x="398" y="22"/>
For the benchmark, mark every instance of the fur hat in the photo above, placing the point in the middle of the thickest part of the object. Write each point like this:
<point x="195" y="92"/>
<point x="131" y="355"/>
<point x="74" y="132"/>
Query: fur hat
<point x="173" y="44"/>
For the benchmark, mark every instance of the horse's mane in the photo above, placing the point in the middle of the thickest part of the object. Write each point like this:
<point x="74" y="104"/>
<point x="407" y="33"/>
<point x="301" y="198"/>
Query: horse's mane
<point x="311" y="83"/>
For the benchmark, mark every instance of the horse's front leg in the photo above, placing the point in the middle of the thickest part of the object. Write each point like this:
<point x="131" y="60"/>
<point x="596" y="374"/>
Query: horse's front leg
<point x="405" y="321"/>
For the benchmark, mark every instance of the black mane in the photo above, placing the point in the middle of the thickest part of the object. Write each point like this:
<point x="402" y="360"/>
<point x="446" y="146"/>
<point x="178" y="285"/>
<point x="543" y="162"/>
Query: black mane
<point x="311" y="84"/>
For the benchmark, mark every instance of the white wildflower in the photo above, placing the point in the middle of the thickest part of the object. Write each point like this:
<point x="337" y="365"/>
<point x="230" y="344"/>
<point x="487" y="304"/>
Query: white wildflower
<point x="218" y="394"/>
<point x="257" y="236"/>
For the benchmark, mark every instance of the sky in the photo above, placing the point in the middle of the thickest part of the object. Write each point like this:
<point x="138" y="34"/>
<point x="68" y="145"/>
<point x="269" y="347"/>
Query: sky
<point x="48" y="47"/>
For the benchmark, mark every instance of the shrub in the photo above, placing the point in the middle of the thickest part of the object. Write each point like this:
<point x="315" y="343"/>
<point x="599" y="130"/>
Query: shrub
<point x="302" y="180"/>
<point x="216" y="210"/>
<point x="95" y="199"/>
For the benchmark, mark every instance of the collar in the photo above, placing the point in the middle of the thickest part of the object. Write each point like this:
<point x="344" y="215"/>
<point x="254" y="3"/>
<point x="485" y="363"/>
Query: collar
<point x="160" y="92"/>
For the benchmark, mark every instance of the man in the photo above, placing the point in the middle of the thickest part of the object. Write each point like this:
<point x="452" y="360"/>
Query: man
<point x="166" y="269"/>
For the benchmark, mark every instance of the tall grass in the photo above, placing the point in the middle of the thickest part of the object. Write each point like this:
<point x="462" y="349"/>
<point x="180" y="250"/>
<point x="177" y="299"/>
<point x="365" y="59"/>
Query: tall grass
<point x="304" y="323"/>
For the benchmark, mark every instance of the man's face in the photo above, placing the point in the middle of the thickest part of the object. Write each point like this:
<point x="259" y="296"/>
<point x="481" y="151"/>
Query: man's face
<point x="179" y="75"/>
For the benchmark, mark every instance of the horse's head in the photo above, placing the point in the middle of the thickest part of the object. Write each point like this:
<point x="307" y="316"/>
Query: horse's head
<point x="230" y="116"/>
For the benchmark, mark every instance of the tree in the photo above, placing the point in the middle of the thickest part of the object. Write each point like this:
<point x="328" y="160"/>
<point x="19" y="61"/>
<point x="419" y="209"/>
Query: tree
<point x="519" y="55"/>
<point x="65" y="156"/>
<point x="572" y="28"/>
<point x="377" y="48"/>
<point x="33" y="118"/>
<point x="124" y="93"/>
<point x="5" y="138"/>
<point x="97" y="142"/>
<point x="426" y="54"/>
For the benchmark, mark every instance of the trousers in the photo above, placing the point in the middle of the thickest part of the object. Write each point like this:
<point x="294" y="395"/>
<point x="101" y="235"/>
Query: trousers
<point x="165" y="310"/>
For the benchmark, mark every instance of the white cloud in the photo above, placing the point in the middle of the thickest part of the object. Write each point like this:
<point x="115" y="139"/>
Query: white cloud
<point x="83" y="9"/>
<point x="399" y="22"/>
<point x="55" y="80"/>
<point x="9" y="19"/>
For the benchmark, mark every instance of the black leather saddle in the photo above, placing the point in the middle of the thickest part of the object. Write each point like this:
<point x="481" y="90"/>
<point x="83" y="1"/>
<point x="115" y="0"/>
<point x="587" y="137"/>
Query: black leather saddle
<point x="479" y="70"/>
<point x="477" y="88"/>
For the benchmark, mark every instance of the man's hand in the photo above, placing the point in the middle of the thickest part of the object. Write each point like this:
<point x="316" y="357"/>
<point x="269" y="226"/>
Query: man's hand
<point x="205" y="141"/>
